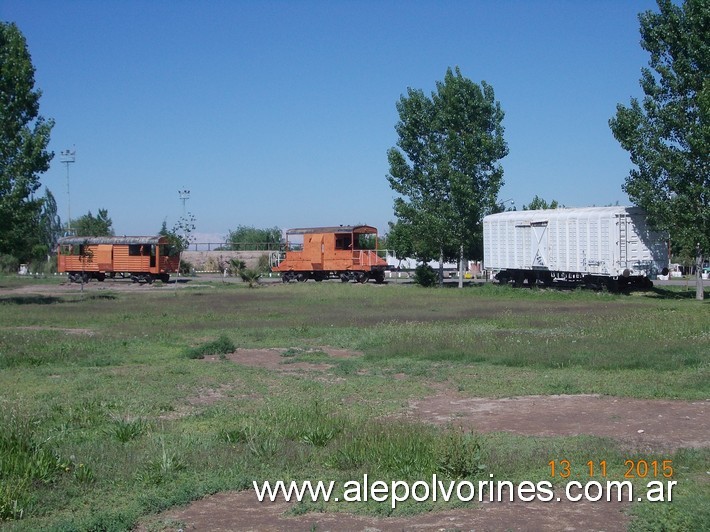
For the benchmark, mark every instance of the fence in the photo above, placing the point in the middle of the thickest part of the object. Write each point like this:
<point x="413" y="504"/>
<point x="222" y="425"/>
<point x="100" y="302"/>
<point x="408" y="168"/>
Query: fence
<point x="234" y="246"/>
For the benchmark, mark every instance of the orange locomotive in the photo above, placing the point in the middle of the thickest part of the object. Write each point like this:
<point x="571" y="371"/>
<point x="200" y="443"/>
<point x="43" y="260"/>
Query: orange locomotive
<point x="341" y="251"/>
<point x="142" y="258"/>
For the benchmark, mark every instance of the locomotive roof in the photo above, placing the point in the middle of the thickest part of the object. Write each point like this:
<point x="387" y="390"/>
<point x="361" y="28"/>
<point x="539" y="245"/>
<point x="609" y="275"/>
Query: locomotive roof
<point x="125" y="240"/>
<point x="333" y="229"/>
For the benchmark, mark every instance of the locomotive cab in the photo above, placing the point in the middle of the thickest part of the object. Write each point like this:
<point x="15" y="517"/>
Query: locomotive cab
<point x="346" y="252"/>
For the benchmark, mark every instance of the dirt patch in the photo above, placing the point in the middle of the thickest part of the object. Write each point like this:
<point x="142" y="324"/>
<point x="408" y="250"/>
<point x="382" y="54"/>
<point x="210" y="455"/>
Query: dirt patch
<point x="659" y="425"/>
<point x="242" y="511"/>
<point x="640" y="424"/>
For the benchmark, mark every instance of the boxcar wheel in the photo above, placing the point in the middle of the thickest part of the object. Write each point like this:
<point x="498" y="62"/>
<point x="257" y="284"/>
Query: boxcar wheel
<point x="344" y="277"/>
<point x="302" y="277"/>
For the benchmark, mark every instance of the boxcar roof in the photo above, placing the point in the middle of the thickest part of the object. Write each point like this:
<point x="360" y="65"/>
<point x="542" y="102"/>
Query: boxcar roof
<point x="565" y="213"/>
<point x="334" y="229"/>
<point x="125" y="240"/>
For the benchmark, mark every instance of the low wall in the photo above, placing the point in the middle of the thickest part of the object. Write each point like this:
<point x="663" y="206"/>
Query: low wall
<point x="216" y="261"/>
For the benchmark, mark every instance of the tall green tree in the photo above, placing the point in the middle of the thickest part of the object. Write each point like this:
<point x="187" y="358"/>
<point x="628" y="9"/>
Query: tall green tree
<point x="446" y="167"/>
<point x="90" y="225"/>
<point x="50" y="224"/>
<point x="667" y="134"/>
<point x="24" y="136"/>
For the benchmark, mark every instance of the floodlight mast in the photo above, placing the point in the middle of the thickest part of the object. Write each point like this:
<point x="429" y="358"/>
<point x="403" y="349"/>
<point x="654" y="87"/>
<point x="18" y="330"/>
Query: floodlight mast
<point x="184" y="195"/>
<point x="68" y="157"/>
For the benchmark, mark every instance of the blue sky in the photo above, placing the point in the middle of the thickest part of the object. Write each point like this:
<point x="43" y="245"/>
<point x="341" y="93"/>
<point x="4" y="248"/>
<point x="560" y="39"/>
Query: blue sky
<point x="280" y="113"/>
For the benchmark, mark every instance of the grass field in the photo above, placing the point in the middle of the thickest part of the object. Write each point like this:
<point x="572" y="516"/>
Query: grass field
<point x="108" y="413"/>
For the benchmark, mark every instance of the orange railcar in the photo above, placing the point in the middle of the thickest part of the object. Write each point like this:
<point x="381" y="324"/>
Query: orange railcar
<point x="142" y="258"/>
<point x="345" y="252"/>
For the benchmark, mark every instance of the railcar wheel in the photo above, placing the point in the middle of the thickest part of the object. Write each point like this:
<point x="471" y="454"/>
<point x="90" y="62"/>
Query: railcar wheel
<point x="148" y="278"/>
<point x="344" y="277"/>
<point x="302" y="277"/>
<point x="100" y="277"/>
<point x="285" y="278"/>
<point x="361" y="277"/>
<point x="380" y="277"/>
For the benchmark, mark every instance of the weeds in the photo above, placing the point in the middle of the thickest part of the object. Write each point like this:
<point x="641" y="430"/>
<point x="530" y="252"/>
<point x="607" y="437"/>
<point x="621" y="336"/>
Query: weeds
<point x="220" y="346"/>
<point x="163" y="468"/>
<point x="127" y="429"/>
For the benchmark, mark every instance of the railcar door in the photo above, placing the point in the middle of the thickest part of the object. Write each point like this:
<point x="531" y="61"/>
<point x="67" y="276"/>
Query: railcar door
<point x="313" y="250"/>
<point x="104" y="257"/>
<point x="538" y="241"/>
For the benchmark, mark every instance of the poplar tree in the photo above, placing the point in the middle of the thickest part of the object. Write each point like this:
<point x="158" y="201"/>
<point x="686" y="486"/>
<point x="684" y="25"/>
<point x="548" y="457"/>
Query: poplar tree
<point x="667" y="134"/>
<point x="446" y="167"/>
<point x="24" y="136"/>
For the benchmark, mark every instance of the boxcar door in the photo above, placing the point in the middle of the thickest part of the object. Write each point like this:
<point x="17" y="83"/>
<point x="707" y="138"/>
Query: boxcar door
<point x="104" y="257"/>
<point x="538" y="241"/>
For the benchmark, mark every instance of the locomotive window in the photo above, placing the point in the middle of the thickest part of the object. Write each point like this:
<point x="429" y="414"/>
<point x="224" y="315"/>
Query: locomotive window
<point x="343" y="242"/>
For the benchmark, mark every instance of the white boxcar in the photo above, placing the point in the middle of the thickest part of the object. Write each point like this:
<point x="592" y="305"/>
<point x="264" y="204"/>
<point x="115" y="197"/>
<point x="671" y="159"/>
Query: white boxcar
<point x="597" y="245"/>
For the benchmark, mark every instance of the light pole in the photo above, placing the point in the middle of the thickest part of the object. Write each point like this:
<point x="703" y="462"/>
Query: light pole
<point x="68" y="157"/>
<point x="184" y="195"/>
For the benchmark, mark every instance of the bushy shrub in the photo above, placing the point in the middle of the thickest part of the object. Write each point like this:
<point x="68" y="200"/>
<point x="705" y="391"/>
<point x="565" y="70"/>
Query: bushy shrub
<point x="212" y="265"/>
<point x="220" y="346"/>
<point x="8" y="264"/>
<point x="186" y="267"/>
<point x="424" y="275"/>
<point x="250" y="276"/>
<point x="264" y="266"/>
<point x="235" y="266"/>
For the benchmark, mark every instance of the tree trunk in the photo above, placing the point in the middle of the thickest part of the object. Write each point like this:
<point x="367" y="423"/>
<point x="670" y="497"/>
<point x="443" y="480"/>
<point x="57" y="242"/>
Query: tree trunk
<point x="461" y="268"/>
<point x="441" y="266"/>
<point x="699" y="291"/>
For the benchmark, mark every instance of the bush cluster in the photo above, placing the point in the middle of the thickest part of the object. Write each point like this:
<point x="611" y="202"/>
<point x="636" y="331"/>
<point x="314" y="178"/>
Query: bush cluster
<point x="424" y="275"/>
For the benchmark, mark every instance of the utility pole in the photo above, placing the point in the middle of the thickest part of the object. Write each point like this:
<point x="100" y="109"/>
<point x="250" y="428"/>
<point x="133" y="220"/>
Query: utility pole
<point x="68" y="157"/>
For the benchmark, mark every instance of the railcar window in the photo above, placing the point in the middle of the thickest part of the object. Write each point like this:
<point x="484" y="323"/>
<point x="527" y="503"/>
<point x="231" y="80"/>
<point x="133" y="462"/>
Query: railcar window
<point x="343" y="242"/>
<point x="134" y="250"/>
